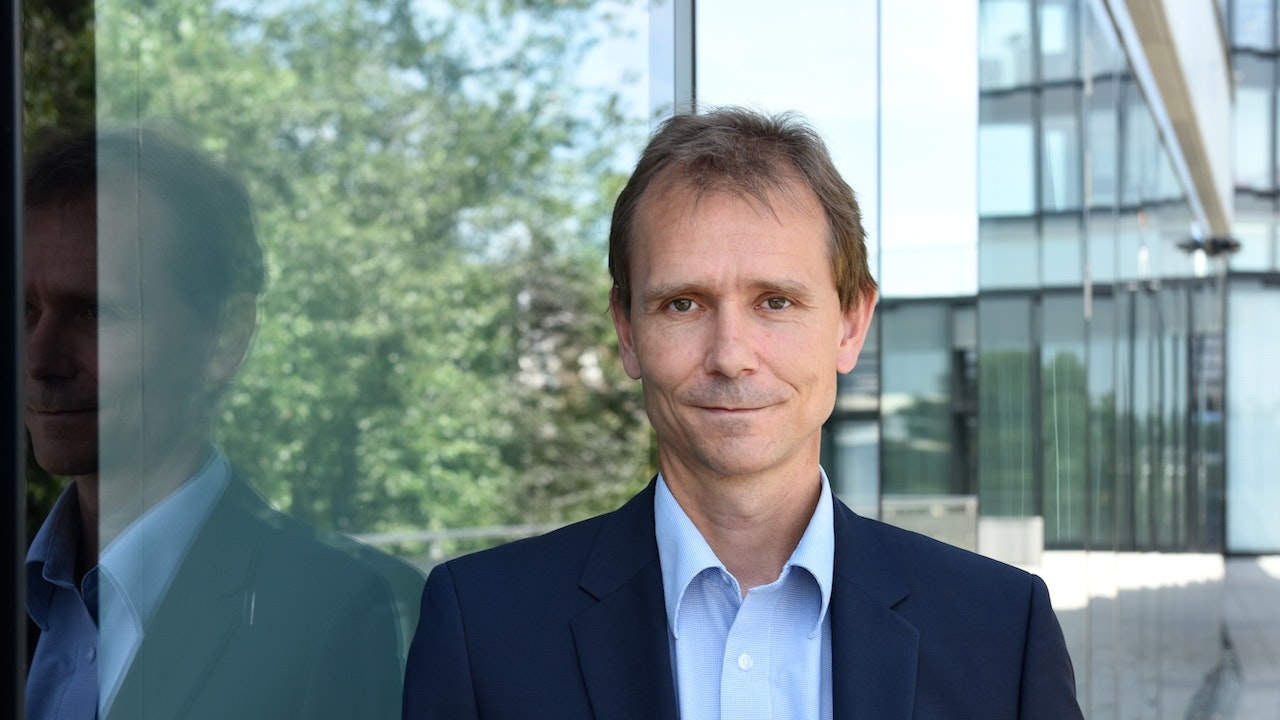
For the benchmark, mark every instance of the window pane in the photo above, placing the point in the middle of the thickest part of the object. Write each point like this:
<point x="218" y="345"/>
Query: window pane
<point x="1006" y="43"/>
<point x="1061" y="259"/>
<point x="1008" y="256"/>
<point x="1103" y="143"/>
<point x="430" y="184"/>
<point x="1007" y="441"/>
<point x="1059" y="32"/>
<point x="916" y="400"/>
<point x="1063" y="411"/>
<point x="1252" y="25"/>
<point x="1255" y="97"/>
<point x="1253" y="415"/>
<point x="1062" y="155"/>
<point x="1006" y="156"/>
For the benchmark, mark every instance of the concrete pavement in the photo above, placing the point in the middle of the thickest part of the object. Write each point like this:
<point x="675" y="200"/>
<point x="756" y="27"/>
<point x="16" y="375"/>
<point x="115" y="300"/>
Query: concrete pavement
<point x="1170" y="636"/>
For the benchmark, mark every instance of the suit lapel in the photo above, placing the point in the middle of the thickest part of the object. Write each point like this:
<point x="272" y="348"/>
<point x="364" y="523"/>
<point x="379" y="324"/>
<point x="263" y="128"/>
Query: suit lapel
<point x="874" y="651"/>
<point x="622" y="640"/>
<point x="210" y="598"/>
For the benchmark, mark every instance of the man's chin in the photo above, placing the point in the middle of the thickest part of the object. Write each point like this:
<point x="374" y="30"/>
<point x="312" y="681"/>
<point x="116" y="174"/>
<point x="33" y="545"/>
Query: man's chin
<point x="68" y="464"/>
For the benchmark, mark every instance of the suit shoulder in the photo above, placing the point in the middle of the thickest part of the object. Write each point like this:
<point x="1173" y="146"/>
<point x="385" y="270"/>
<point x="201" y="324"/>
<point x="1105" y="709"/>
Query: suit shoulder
<point x="563" y="549"/>
<point x="927" y="560"/>
<point x="295" y="549"/>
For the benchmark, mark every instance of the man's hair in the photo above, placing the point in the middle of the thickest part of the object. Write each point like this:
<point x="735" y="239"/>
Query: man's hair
<point x="739" y="151"/>
<point x="211" y="248"/>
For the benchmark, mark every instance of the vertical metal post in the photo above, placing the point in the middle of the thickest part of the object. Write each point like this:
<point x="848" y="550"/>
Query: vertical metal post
<point x="12" y="514"/>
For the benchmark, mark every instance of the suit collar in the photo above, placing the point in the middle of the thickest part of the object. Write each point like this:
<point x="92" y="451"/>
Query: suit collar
<point x="622" y="641"/>
<point x="874" y="651"/>
<point x="210" y="598"/>
<point x="625" y="654"/>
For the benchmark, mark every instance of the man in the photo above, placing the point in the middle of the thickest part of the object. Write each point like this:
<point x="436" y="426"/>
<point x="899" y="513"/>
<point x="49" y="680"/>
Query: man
<point x="161" y="585"/>
<point x="735" y="585"/>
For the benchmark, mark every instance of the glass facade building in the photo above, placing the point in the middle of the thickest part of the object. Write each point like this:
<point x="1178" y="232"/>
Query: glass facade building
<point x="1062" y="372"/>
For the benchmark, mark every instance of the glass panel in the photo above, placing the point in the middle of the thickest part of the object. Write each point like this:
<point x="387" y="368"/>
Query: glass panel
<point x="1061" y="258"/>
<point x="1006" y="404"/>
<point x="1256" y="228"/>
<point x="1169" y="477"/>
<point x="1102" y="141"/>
<point x="1064" y="411"/>
<point x="1255" y="103"/>
<point x="1063" y="157"/>
<point x="964" y="397"/>
<point x="812" y="48"/>
<point x="1208" y="373"/>
<point x="1253" y="417"/>
<point x="915" y="407"/>
<point x="1105" y="55"/>
<point x="1143" y="417"/>
<point x="1059" y="33"/>
<point x="1005" y="43"/>
<point x="1141" y="148"/>
<point x="1006" y="156"/>
<point x="1101" y="232"/>
<point x="281" y="461"/>
<point x="857" y="459"/>
<point x="1125" y="424"/>
<point x="1133" y="253"/>
<point x="1252" y="25"/>
<point x="1008" y="256"/>
<point x="928" y="223"/>
<point x="1102" y="424"/>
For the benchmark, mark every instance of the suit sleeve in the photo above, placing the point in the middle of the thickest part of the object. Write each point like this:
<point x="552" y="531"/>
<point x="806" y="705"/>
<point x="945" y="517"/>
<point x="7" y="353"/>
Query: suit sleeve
<point x="1048" y="680"/>
<point x="438" y="681"/>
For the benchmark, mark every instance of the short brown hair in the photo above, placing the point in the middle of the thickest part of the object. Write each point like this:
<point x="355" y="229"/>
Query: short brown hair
<point x="216" y="253"/>
<point x="740" y="151"/>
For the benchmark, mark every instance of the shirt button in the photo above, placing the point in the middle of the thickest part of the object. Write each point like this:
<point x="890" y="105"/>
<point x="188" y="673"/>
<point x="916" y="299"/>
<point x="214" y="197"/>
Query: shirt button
<point x="91" y="654"/>
<point x="745" y="662"/>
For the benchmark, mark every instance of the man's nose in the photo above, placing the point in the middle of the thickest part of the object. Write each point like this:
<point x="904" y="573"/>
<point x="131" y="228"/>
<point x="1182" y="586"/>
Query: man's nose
<point x="50" y="349"/>
<point x="732" y="351"/>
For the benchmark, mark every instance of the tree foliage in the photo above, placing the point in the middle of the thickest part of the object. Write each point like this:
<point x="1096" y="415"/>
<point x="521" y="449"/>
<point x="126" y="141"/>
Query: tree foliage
<point x="433" y="184"/>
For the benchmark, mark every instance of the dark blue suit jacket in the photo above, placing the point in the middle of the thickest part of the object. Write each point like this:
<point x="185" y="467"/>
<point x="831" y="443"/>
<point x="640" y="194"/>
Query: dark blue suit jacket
<point x="573" y="625"/>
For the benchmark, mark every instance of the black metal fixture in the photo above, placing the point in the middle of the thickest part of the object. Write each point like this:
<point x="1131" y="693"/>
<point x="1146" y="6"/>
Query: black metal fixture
<point x="1212" y="247"/>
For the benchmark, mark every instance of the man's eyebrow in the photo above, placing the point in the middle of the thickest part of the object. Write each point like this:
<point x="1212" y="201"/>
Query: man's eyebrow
<point x="666" y="290"/>
<point x="789" y="288"/>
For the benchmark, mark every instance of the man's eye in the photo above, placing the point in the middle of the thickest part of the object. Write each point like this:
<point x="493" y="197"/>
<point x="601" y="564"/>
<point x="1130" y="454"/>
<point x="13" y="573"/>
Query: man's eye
<point x="777" y="303"/>
<point x="681" y="305"/>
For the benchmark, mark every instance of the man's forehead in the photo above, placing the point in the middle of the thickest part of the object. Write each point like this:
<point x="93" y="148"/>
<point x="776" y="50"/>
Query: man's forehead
<point x="60" y="235"/>
<point x="674" y="190"/>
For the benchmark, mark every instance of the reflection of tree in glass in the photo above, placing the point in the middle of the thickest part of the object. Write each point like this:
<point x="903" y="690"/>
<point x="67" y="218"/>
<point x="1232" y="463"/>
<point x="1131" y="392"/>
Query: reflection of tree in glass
<point x="432" y="190"/>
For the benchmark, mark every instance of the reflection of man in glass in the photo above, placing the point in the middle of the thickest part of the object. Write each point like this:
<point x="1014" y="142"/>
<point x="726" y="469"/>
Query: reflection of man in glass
<point x="161" y="585"/>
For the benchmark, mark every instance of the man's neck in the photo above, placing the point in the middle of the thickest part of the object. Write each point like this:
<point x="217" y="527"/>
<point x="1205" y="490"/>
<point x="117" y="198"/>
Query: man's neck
<point x="752" y="525"/>
<point x="111" y="500"/>
<point x="87" y="501"/>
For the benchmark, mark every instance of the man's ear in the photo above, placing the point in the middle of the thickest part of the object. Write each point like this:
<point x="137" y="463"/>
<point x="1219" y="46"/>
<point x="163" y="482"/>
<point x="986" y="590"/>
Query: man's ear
<point x="239" y="318"/>
<point x="853" y="331"/>
<point x="626" y="340"/>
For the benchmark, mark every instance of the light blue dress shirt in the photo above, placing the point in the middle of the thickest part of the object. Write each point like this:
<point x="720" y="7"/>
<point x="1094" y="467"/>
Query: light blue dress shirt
<point x="62" y="683"/>
<point x="76" y="657"/>
<point x="765" y="656"/>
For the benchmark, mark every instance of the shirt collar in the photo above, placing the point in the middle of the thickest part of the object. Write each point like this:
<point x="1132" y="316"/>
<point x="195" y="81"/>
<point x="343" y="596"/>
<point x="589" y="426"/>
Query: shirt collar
<point x="143" y="559"/>
<point x="683" y="553"/>
<point x="51" y="559"/>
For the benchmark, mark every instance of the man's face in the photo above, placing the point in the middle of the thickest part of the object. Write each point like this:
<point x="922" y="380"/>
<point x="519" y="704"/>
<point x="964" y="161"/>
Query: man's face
<point x="111" y="344"/>
<point x="60" y="276"/>
<point x="736" y="330"/>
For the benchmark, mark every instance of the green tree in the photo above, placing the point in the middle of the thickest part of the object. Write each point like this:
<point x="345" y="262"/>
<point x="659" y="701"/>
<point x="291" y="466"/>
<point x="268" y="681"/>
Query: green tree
<point x="434" y="349"/>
